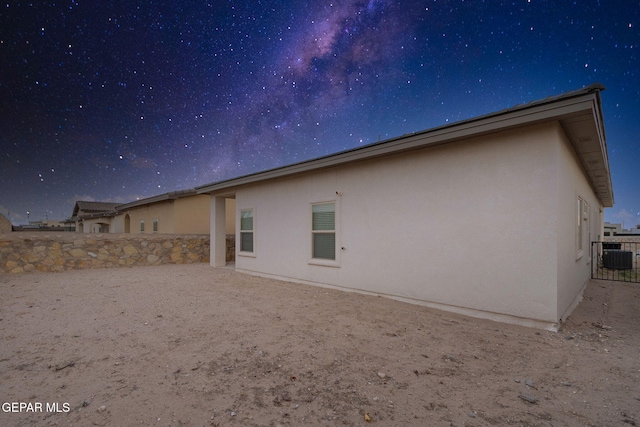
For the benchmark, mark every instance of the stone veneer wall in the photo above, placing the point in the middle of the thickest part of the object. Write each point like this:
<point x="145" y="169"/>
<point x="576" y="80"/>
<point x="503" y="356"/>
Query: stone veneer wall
<point x="231" y="248"/>
<point x="24" y="252"/>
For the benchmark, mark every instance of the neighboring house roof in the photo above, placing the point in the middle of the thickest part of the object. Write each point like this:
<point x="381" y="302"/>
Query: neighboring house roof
<point x="85" y="209"/>
<point x="95" y="206"/>
<point x="579" y="112"/>
<point x="154" y="199"/>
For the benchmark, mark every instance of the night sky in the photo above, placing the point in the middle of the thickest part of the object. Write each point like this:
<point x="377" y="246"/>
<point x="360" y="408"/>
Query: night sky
<point x="110" y="101"/>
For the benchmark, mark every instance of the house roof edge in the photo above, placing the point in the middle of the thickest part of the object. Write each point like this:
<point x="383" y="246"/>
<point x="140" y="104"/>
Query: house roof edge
<point x="173" y="195"/>
<point x="550" y="108"/>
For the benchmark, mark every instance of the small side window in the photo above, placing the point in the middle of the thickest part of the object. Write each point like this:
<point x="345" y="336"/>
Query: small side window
<point x="155" y="225"/>
<point x="142" y="225"/>
<point x="323" y="231"/>
<point x="246" y="230"/>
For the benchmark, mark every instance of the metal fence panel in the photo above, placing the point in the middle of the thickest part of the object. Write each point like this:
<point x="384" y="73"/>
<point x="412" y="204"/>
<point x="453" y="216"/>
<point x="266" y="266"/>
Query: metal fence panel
<point x="615" y="261"/>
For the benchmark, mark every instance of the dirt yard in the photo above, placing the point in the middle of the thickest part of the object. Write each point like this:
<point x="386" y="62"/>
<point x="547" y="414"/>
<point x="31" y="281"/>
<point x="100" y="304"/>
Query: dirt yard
<point x="191" y="345"/>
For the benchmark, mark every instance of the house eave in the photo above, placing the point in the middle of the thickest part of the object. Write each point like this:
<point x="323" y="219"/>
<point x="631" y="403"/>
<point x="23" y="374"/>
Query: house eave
<point x="578" y="112"/>
<point x="159" y="198"/>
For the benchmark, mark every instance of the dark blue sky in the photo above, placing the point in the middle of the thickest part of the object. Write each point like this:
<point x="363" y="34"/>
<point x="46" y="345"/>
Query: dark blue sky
<point x="111" y="101"/>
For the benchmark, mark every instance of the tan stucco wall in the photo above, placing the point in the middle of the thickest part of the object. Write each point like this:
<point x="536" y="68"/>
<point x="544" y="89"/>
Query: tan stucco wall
<point x="117" y="224"/>
<point x="191" y="215"/>
<point x="422" y="225"/>
<point x="5" y="225"/>
<point x="162" y="211"/>
<point x="92" y="225"/>
<point x="230" y="216"/>
<point x="186" y="215"/>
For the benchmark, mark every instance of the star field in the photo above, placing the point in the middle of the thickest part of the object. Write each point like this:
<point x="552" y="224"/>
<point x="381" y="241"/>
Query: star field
<point x="114" y="101"/>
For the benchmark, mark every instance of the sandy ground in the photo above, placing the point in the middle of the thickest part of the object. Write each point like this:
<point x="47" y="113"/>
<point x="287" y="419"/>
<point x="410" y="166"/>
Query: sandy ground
<point x="195" y="346"/>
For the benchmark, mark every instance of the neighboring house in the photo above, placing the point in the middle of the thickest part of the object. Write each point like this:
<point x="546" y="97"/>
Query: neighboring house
<point x="49" y="223"/>
<point x="5" y="225"/>
<point x="617" y="230"/>
<point x="413" y="218"/>
<point x="93" y="217"/>
<point x="612" y="229"/>
<point x="53" y="223"/>
<point x="69" y="224"/>
<point x="178" y="212"/>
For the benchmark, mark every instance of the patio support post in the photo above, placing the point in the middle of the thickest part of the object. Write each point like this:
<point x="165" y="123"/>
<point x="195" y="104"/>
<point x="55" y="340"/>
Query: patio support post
<point x="218" y="236"/>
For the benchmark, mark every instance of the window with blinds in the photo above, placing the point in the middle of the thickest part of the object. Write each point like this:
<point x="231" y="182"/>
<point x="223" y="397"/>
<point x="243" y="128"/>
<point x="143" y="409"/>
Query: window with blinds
<point x="323" y="231"/>
<point x="246" y="230"/>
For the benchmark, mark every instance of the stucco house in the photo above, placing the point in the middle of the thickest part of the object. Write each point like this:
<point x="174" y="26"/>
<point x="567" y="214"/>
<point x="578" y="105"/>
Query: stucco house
<point x="414" y="218"/>
<point x="176" y="212"/>
<point x="93" y="217"/>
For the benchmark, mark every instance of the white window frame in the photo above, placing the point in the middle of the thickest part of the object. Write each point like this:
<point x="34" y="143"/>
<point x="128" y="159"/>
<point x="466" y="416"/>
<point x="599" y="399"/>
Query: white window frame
<point x="239" y="250"/>
<point x="338" y="248"/>
<point x="142" y="226"/>
<point x="582" y="226"/>
<point x="155" y="225"/>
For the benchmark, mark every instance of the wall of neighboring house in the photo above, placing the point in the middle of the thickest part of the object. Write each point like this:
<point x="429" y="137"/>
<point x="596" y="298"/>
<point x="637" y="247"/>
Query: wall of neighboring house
<point x="421" y="225"/>
<point x="5" y="225"/>
<point x="230" y="215"/>
<point x="576" y="230"/>
<point x="192" y="214"/>
<point x="117" y="224"/>
<point x="162" y="211"/>
<point x="612" y="229"/>
<point x="94" y="225"/>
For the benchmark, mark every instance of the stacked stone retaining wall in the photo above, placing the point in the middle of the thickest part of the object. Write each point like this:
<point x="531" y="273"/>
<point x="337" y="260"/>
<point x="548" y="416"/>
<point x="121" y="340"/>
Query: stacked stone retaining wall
<point x="24" y="252"/>
<point x="231" y="248"/>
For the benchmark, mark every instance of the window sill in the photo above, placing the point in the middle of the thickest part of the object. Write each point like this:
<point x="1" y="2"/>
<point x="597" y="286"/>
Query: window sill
<point x="247" y="254"/>
<point x="324" y="262"/>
